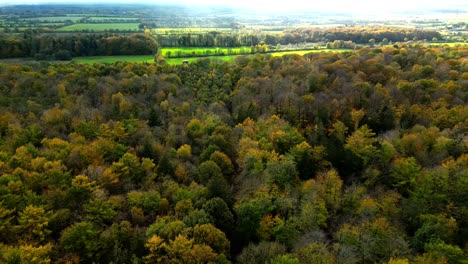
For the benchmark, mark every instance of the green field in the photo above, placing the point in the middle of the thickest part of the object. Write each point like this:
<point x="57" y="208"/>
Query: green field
<point x="50" y="24"/>
<point x="187" y="30"/>
<point x="54" y="19"/>
<point x="149" y="58"/>
<point x="202" y="51"/>
<point x="96" y="18"/>
<point x="111" y="59"/>
<point x="101" y="27"/>
<point x="451" y="44"/>
<point x="303" y="52"/>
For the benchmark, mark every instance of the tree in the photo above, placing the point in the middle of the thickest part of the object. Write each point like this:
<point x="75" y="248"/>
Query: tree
<point x="285" y="259"/>
<point x="249" y="215"/>
<point x="211" y="236"/>
<point x="315" y="253"/>
<point x="208" y="170"/>
<point x="26" y="254"/>
<point x="362" y="143"/>
<point x="148" y="201"/>
<point x="5" y="223"/>
<point x="308" y="159"/>
<point x="330" y="185"/>
<point x="130" y="168"/>
<point x="219" y="213"/>
<point x="99" y="211"/>
<point x="83" y="239"/>
<point x="404" y="173"/>
<point x="441" y="250"/>
<point x="33" y="223"/>
<point x="223" y="161"/>
<point x="263" y="252"/>
<point x="157" y="250"/>
<point x="282" y="173"/>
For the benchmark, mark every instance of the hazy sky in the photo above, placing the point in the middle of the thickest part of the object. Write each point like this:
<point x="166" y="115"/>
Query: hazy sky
<point x="364" y="6"/>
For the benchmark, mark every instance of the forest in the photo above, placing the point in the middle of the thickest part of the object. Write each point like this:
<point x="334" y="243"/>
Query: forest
<point x="340" y="157"/>
<point x="63" y="47"/>
<point x="35" y="44"/>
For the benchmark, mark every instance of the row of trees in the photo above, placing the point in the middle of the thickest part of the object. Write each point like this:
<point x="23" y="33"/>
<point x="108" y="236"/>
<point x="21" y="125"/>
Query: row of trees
<point x="359" y="35"/>
<point x="355" y="157"/>
<point x="33" y="44"/>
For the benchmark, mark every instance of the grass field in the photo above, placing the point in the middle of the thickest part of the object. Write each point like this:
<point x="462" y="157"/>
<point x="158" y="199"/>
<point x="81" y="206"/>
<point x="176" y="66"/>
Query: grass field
<point x="149" y="58"/>
<point x="111" y="59"/>
<point x="187" y="30"/>
<point x="54" y="19"/>
<point x="202" y="51"/>
<point x="303" y="52"/>
<point x="100" y="27"/>
<point x="50" y="24"/>
<point x="451" y="44"/>
<point x="95" y="18"/>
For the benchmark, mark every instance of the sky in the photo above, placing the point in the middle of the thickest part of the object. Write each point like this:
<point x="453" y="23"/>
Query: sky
<point x="357" y="6"/>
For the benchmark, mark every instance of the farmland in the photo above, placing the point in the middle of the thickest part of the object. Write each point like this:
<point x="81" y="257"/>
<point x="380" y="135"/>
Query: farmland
<point x="150" y="58"/>
<point x="188" y="30"/>
<point x="100" y="19"/>
<point x="101" y="27"/>
<point x="55" y="19"/>
<point x="111" y="59"/>
<point x="203" y="51"/>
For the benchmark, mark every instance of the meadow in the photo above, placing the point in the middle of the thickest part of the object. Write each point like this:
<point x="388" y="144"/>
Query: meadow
<point x="203" y="51"/>
<point x="55" y="19"/>
<point x="112" y="59"/>
<point x="150" y="58"/>
<point x="101" y="19"/>
<point x="187" y="30"/>
<point x="101" y="27"/>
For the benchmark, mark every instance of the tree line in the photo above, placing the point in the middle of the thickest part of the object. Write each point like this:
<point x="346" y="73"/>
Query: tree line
<point x="359" y="35"/>
<point x="65" y="46"/>
<point x="353" y="157"/>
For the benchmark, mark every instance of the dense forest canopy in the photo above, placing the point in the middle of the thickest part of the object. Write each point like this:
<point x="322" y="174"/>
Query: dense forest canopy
<point x="63" y="47"/>
<point x="352" y="157"/>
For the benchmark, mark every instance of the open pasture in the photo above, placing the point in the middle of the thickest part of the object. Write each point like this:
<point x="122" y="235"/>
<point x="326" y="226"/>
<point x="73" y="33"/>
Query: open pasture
<point x="188" y="30"/>
<point x="111" y="59"/>
<point x="55" y="19"/>
<point x="203" y="51"/>
<point x="103" y="19"/>
<point x="101" y="27"/>
<point x="150" y="58"/>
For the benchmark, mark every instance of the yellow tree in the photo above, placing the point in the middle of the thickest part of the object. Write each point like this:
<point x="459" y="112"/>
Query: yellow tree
<point x="361" y="143"/>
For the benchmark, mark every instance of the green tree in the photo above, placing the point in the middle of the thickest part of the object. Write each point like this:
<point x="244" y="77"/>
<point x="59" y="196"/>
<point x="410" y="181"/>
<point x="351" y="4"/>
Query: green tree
<point x="219" y="213"/>
<point x="282" y="173"/>
<point x="99" y="211"/>
<point x="362" y="143"/>
<point x="209" y="235"/>
<point x="83" y="239"/>
<point x="33" y="223"/>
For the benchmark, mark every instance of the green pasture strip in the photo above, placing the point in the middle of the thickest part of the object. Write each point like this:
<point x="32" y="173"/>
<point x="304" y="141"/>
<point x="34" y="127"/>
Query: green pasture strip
<point x="451" y="44"/>
<point x="111" y="59"/>
<point x="303" y="52"/>
<point x="54" y="19"/>
<point x="84" y="14"/>
<point x="219" y="58"/>
<point x="100" y="27"/>
<point x="96" y="18"/>
<point x="187" y="30"/>
<point x="50" y="24"/>
<point x="203" y="51"/>
<point x="150" y="58"/>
